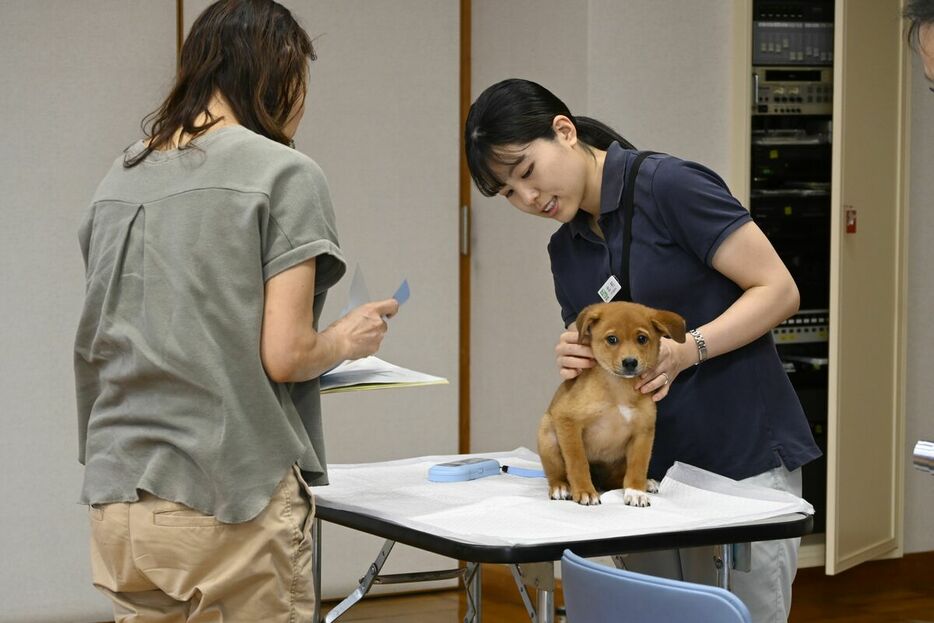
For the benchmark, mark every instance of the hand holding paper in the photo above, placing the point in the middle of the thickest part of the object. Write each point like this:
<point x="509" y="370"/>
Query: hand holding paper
<point x="363" y="327"/>
<point x="370" y="372"/>
<point x="360" y="295"/>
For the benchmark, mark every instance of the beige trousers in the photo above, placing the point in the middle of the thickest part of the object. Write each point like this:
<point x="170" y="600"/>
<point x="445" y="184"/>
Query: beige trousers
<point x="161" y="561"/>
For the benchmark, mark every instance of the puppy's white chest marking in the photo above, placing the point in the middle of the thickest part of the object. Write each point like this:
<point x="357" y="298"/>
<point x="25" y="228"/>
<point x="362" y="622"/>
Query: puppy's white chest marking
<point x="626" y="412"/>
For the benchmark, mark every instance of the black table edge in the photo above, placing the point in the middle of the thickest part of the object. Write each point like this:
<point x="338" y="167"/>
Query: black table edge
<point x="514" y="554"/>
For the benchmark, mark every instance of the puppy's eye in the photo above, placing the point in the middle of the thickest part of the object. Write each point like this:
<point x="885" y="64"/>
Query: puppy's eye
<point x="643" y="339"/>
<point x="612" y="339"/>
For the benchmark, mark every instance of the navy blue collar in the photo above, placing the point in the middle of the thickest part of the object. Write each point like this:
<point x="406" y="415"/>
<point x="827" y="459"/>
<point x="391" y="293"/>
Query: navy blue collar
<point x="611" y="188"/>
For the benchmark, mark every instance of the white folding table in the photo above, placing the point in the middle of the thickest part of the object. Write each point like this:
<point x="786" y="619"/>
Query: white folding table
<point x="509" y="520"/>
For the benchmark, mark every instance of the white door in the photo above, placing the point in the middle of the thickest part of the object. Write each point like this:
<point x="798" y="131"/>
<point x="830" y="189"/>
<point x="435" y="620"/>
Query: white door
<point x="867" y="341"/>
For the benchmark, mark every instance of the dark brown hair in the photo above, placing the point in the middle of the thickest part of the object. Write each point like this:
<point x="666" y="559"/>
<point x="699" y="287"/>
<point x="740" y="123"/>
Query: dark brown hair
<point x="252" y="52"/>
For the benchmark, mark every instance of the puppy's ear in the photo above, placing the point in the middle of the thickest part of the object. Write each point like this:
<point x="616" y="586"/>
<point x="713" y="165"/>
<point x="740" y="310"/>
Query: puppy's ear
<point x="670" y="325"/>
<point x="585" y="320"/>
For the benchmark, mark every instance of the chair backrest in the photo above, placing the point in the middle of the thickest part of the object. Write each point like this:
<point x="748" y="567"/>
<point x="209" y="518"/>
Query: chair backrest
<point x="595" y="593"/>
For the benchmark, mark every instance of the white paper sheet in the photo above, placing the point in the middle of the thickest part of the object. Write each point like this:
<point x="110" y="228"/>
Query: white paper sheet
<point x="512" y="510"/>
<point x="373" y="373"/>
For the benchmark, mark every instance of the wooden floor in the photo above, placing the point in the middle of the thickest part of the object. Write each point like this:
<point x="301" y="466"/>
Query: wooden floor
<point x="900" y="590"/>
<point x="886" y="591"/>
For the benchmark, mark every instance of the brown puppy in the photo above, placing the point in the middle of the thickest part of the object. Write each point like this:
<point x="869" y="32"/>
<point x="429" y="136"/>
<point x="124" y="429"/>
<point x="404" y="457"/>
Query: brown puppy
<point x="598" y="427"/>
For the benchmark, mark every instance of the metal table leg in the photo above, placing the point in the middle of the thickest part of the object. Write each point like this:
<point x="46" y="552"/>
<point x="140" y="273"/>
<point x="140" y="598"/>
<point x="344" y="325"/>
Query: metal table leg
<point x="539" y="575"/>
<point x="742" y="557"/>
<point x="373" y="577"/>
<point x="364" y="586"/>
<point x="732" y="557"/>
<point x="472" y="585"/>
<point x="546" y="605"/>
<point x="723" y="560"/>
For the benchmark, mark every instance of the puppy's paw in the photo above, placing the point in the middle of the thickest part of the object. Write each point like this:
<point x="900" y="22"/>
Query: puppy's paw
<point x="634" y="497"/>
<point x="560" y="491"/>
<point x="651" y="486"/>
<point x="586" y="497"/>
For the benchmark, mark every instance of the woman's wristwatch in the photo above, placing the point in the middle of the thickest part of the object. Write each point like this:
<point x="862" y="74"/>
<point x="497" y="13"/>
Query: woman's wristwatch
<point x="701" y="346"/>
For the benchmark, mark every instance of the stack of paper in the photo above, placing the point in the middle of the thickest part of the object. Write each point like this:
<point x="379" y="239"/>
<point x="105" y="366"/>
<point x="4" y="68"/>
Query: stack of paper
<point x="373" y="373"/>
<point x="924" y="456"/>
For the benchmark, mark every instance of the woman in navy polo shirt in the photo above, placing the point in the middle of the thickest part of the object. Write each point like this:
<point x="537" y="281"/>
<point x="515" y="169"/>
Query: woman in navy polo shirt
<point x="728" y="404"/>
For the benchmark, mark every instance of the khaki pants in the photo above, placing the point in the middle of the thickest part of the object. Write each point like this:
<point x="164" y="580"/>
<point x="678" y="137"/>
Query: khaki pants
<point x="163" y="562"/>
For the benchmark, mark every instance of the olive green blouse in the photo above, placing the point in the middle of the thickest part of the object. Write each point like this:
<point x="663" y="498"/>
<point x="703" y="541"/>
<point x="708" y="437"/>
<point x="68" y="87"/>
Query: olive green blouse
<point x="172" y="395"/>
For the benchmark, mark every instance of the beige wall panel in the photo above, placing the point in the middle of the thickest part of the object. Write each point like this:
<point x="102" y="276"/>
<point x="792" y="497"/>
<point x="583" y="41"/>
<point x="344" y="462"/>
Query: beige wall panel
<point x="661" y="73"/>
<point x="77" y="79"/>
<point x="382" y="121"/>
<point x="919" y="486"/>
<point x="516" y="320"/>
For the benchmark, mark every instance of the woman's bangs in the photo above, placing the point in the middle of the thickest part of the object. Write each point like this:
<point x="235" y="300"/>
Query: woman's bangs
<point x="482" y="163"/>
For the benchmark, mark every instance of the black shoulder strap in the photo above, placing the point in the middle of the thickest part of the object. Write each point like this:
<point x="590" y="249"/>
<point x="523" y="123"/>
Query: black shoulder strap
<point x="628" y="205"/>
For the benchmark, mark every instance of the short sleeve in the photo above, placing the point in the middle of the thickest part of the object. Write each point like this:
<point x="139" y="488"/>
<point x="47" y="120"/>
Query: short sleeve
<point x="568" y="313"/>
<point x="302" y="225"/>
<point x="696" y="206"/>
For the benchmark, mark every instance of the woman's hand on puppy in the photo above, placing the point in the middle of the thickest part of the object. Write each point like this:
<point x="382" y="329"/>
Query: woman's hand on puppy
<point x="571" y="356"/>
<point x="672" y="359"/>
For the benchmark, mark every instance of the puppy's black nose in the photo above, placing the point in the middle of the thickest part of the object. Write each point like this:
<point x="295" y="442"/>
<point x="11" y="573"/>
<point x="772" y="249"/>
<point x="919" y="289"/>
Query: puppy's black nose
<point x="630" y="364"/>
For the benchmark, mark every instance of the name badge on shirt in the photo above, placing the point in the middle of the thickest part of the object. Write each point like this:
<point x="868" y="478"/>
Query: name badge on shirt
<point x="609" y="289"/>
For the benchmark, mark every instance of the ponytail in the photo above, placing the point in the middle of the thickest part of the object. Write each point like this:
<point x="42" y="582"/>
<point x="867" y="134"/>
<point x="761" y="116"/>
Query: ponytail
<point x="599" y="135"/>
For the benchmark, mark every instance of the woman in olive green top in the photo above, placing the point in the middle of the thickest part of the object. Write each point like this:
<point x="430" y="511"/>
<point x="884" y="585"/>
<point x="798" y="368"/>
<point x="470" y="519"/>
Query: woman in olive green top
<point x="209" y="248"/>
